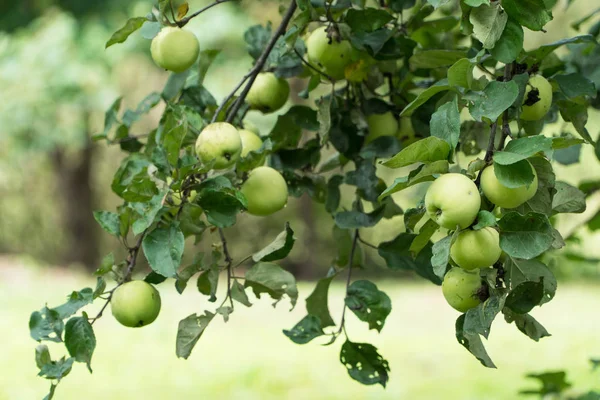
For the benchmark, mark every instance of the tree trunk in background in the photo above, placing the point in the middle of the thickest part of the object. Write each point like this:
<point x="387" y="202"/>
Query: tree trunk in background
<point x="77" y="200"/>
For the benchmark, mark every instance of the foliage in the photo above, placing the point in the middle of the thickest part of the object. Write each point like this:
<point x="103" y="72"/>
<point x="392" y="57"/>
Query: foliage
<point x="409" y="59"/>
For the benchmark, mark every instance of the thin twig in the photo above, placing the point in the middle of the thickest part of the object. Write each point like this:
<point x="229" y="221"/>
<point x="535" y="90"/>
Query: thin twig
<point x="489" y="154"/>
<point x="187" y="19"/>
<point x="508" y="75"/>
<point x="349" y="278"/>
<point x="229" y="261"/>
<point x="309" y="65"/>
<point x="262" y="60"/>
<point x="367" y="243"/>
<point x="230" y="95"/>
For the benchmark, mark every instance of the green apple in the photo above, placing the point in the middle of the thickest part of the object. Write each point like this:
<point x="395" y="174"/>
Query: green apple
<point x="503" y="196"/>
<point x="250" y="141"/>
<point x="219" y="141"/>
<point x="381" y="125"/>
<point x="329" y="55"/>
<point x="176" y="197"/>
<point x="453" y="200"/>
<point x="266" y="191"/>
<point x="537" y="110"/>
<point x="268" y="93"/>
<point x="460" y="289"/>
<point x="249" y="126"/>
<point x="476" y="249"/>
<point x="135" y="304"/>
<point x="175" y="49"/>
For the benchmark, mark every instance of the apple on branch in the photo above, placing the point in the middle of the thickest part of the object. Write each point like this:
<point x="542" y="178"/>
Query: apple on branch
<point x="221" y="142"/>
<point x="453" y="200"/>
<point x="175" y="49"/>
<point x="135" y="304"/>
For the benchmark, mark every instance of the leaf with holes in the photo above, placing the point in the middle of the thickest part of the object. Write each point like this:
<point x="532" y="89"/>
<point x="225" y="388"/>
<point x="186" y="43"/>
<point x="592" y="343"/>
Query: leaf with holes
<point x="270" y="278"/>
<point x="279" y="248"/>
<point x="368" y="303"/>
<point x="364" y="363"/>
<point x="306" y="330"/>
<point x="473" y="343"/>
<point x="189" y="332"/>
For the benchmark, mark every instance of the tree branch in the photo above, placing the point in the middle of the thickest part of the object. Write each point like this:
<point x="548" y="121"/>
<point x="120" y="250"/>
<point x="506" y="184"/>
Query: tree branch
<point x="489" y="154"/>
<point x="187" y="19"/>
<point x="229" y="261"/>
<point x="260" y="62"/>
<point x="349" y="278"/>
<point x="508" y="75"/>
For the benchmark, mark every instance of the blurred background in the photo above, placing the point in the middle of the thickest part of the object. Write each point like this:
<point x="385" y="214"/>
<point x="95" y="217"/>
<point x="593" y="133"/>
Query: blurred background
<point x="57" y="80"/>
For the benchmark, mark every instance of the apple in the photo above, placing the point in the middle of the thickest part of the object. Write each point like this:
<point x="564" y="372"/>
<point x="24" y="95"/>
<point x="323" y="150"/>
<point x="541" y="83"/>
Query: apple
<point x="176" y="197"/>
<point x="476" y="249"/>
<point x="460" y="289"/>
<point x="266" y="191"/>
<point x="268" y="93"/>
<point x="249" y="126"/>
<point x="175" y="49"/>
<point x="381" y="125"/>
<point x="453" y="200"/>
<point x="219" y="141"/>
<point x="537" y="110"/>
<point x="135" y="304"/>
<point x="250" y="141"/>
<point x="503" y="196"/>
<point x="329" y="55"/>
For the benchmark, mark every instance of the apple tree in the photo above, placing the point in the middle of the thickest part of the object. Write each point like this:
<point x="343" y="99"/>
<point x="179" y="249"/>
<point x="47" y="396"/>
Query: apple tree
<point x="444" y="87"/>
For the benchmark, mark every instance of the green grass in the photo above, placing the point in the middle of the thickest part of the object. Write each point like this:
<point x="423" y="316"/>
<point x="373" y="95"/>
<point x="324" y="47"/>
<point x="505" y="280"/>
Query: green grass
<point x="249" y="358"/>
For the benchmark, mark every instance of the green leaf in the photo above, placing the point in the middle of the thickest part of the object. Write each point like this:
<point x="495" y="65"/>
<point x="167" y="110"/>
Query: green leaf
<point x="525" y="296"/>
<point x="46" y="324"/>
<point x="529" y="13"/>
<point x="80" y="340"/>
<point x="522" y="148"/>
<point x="189" y="332"/>
<point x="541" y="202"/>
<point x="445" y="123"/>
<point x="163" y="248"/>
<point x="519" y="271"/>
<point x="132" y="25"/>
<point x="428" y="59"/>
<point x="525" y="236"/>
<point x="425" y="234"/>
<point x="334" y="195"/>
<point x="473" y="343"/>
<point x="424" y="173"/>
<point x="57" y="370"/>
<point x="575" y="85"/>
<point x="317" y="303"/>
<point x="441" y="256"/>
<point x="368" y="19"/>
<point x="478" y="320"/>
<point x="256" y="38"/>
<point x="543" y="51"/>
<point x="568" y="199"/>
<point x="488" y="23"/>
<point x="238" y="293"/>
<point x="368" y="303"/>
<point x="42" y="356"/>
<point x="220" y="201"/>
<point x="132" y="180"/>
<point x="494" y="100"/>
<point x="364" y="363"/>
<point x="357" y="219"/>
<point x="76" y="301"/>
<point x="172" y="134"/>
<point x="111" y="117"/>
<point x="484" y="219"/>
<point x="476" y="3"/>
<point x="514" y="175"/>
<point x="270" y="278"/>
<point x="147" y="212"/>
<point x="577" y="114"/>
<point x="425" y="95"/>
<point x="382" y="147"/>
<point x="510" y="44"/>
<point x="306" y="330"/>
<point x="526" y="324"/>
<point x="109" y="221"/>
<point x="106" y="265"/>
<point x="324" y="117"/>
<point x="188" y="272"/>
<point x="426" y="150"/>
<point x="461" y="73"/>
<point x="279" y="248"/>
<point x="208" y="281"/>
<point x="553" y="383"/>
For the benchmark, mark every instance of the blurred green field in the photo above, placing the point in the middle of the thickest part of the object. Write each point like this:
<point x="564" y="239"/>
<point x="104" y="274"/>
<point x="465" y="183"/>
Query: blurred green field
<point x="249" y="358"/>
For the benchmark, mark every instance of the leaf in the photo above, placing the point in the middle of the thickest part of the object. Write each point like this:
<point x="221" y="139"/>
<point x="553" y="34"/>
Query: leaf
<point x="510" y="44"/>
<point x="364" y="363"/>
<point x="132" y="25"/>
<point x="553" y="383"/>
<point x="473" y="343"/>
<point x="494" y="100"/>
<point x="525" y="296"/>
<point x="357" y="219"/>
<point x="519" y="271"/>
<point x="279" y="248"/>
<point x="76" y="300"/>
<point x="306" y="330"/>
<point x="317" y="302"/>
<point x="80" y="340"/>
<point x="188" y="272"/>
<point x="220" y="201"/>
<point x="208" y="282"/>
<point x="526" y="324"/>
<point x="425" y="234"/>
<point x="147" y="212"/>
<point x="368" y="303"/>
<point x="324" y="117"/>
<point x="57" y="369"/>
<point x="529" y="13"/>
<point x="270" y="278"/>
<point x="368" y="19"/>
<point x="182" y="10"/>
<point x="478" y="320"/>
<point x="521" y="149"/>
<point x="514" y="175"/>
<point x="398" y="256"/>
<point x="428" y="59"/>
<point x="445" y="123"/>
<point x="441" y="256"/>
<point x="488" y="23"/>
<point x="484" y="219"/>
<point x="163" y="248"/>
<point x="425" y="95"/>
<point x="109" y="221"/>
<point x="543" y="51"/>
<point x="189" y="332"/>
<point x="461" y="73"/>
<point x="568" y="199"/>
<point x="238" y="293"/>
<point x="42" y="356"/>
<point x="426" y="150"/>
<point x="425" y="173"/>
<point x="525" y="236"/>
<point x="46" y="324"/>
<point x="575" y="85"/>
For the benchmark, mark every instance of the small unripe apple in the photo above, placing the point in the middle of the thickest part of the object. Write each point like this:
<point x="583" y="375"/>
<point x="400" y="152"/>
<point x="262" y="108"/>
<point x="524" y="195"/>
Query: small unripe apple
<point x="329" y="55"/>
<point x="476" y="249"/>
<point x="503" y="196"/>
<point x="453" y="200"/>
<point x="268" y="93"/>
<point x="381" y="125"/>
<point x="460" y="289"/>
<point x="219" y="141"/>
<point x="537" y="110"/>
<point x="135" y="304"/>
<point x="250" y="141"/>
<point x="175" y="49"/>
<point x="266" y="191"/>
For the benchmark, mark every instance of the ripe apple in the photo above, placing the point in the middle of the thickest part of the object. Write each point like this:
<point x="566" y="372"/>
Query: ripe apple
<point x="476" y="249"/>
<point x="381" y="125"/>
<point x="537" y="110"/>
<point x="268" y="93"/>
<point x="175" y="49"/>
<point x="266" y="191"/>
<point x="221" y="142"/>
<point x="503" y="196"/>
<point x="328" y="54"/>
<point x="135" y="304"/>
<point x="460" y="289"/>
<point x="451" y="200"/>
